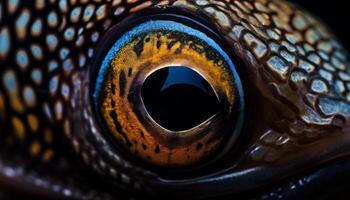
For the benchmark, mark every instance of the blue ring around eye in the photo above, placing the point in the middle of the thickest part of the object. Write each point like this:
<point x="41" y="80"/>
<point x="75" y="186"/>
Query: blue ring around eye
<point x="167" y="25"/>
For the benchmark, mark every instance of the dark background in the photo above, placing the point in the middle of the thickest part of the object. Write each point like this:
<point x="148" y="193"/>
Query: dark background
<point x="336" y="13"/>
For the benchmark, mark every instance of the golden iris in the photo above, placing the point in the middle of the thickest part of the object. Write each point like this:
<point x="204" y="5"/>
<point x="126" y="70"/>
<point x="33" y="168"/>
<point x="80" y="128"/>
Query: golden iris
<point x="138" y="57"/>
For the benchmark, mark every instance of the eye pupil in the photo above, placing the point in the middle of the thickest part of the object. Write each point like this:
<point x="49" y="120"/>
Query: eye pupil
<point x="178" y="98"/>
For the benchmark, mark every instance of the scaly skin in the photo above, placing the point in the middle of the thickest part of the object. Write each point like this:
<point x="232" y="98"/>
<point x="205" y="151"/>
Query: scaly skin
<point x="294" y="67"/>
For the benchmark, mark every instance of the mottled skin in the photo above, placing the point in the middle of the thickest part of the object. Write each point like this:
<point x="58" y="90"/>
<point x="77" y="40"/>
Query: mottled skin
<point x="295" y="73"/>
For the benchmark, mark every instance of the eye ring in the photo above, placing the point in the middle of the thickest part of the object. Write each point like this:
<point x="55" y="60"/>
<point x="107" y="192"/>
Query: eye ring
<point x="163" y="21"/>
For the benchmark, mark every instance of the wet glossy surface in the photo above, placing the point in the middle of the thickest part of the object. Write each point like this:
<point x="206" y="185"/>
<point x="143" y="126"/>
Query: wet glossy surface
<point x="178" y="98"/>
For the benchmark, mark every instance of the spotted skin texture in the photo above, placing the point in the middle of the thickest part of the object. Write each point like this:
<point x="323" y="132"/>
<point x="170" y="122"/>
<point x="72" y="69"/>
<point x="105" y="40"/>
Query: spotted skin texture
<point x="299" y="69"/>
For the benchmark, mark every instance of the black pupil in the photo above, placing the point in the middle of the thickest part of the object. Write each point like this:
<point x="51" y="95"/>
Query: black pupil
<point x="178" y="98"/>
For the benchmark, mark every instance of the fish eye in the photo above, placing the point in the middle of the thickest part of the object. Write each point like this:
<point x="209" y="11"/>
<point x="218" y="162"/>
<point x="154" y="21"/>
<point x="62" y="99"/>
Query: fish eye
<point x="176" y="99"/>
<point x="167" y="92"/>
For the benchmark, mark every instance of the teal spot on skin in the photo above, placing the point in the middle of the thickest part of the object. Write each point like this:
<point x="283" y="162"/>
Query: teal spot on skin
<point x="289" y="46"/>
<point x="23" y="20"/>
<point x="314" y="58"/>
<point x="274" y="47"/>
<point x="326" y="75"/>
<point x="344" y="76"/>
<point x="272" y="34"/>
<point x="339" y="87"/>
<point x="37" y="26"/>
<point x="89" y="11"/>
<point x="67" y="66"/>
<point x="53" y="84"/>
<point x="299" y="23"/>
<point x="289" y="57"/>
<point x="319" y="86"/>
<point x="37" y="52"/>
<point x="4" y="41"/>
<point x="82" y="61"/>
<point x="65" y="91"/>
<point x="330" y="107"/>
<point x="52" y="41"/>
<point x="312" y="36"/>
<point x="298" y="77"/>
<point x="119" y="11"/>
<point x="63" y="4"/>
<point x="52" y="65"/>
<point x="22" y="59"/>
<point x="336" y="62"/>
<point x="29" y="94"/>
<point x="10" y="81"/>
<point x="64" y="53"/>
<point x="90" y="52"/>
<point x="325" y="46"/>
<point x="58" y="108"/>
<point x="69" y="34"/>
<point x="306" y="66"/>
<point x="94" y="37"/>
<point x="36" y="76"/>
<point x="75" y="13"/>
<point x="100" y="10"/>
<point x="13" y="3"/>
<point x="292" y="38"/>
<point x="52" y="18"/>
<point x="278" y="65"/>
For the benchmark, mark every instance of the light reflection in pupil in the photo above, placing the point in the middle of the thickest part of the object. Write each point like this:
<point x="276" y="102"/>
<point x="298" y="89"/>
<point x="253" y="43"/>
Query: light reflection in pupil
<point x="178" y="98"/>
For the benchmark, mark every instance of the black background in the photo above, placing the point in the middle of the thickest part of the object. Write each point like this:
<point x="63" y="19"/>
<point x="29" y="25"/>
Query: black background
<point x="335" y="13"/>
